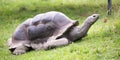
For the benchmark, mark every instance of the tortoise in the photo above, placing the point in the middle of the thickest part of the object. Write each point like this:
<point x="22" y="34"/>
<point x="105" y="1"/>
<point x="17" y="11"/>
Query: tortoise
<point x="48" y="30"/>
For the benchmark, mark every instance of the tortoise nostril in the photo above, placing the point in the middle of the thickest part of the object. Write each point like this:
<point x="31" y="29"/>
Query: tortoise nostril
<point x="12" y="49"/>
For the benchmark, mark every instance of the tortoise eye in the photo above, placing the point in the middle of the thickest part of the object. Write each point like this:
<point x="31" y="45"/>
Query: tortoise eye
<point x="94" y="16"/>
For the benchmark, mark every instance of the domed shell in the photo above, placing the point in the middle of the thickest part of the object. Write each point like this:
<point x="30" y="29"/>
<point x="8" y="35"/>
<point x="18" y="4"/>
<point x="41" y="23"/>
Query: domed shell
<point x="41" y="28"/>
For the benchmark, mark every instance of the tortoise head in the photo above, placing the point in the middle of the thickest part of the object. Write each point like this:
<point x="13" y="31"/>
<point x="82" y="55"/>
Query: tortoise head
<point x="93" y="18"/>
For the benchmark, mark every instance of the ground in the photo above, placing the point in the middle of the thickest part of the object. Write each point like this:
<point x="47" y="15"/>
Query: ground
<point x="102" y="42"/>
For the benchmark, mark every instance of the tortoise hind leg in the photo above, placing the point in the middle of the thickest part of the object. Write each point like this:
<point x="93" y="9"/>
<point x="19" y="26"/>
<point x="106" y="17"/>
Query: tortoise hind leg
<point x="18" y="49"/>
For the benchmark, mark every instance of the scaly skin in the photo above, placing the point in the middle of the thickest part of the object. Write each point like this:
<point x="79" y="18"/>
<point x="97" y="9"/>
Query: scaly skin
<point x="81" y="31"/>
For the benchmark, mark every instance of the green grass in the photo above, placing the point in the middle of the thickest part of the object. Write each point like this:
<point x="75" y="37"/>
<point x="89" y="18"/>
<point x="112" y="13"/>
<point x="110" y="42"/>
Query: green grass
<point x="102" y="42"/>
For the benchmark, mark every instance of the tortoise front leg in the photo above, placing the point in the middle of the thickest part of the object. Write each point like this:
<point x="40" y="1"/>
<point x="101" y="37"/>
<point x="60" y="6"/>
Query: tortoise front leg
<point x="56" y="43"/>
<point x="51" y="44"/>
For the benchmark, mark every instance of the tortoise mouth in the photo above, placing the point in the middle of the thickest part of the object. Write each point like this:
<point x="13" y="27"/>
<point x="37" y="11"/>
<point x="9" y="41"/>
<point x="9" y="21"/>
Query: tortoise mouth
<point x="97" y="17"/>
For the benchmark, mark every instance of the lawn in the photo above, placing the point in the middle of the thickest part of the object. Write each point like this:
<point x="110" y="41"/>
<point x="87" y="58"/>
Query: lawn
<point x="102" y="42"/>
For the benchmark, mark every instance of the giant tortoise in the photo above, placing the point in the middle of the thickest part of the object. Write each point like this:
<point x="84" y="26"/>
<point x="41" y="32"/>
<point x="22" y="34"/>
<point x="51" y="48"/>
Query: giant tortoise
<point x="48" y="30"/>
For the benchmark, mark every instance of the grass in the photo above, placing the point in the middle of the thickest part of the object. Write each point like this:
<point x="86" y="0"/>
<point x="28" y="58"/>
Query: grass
<point x="102" y="42"/>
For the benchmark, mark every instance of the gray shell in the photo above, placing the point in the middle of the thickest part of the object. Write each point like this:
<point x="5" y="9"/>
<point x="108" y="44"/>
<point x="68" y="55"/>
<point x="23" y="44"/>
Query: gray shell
<point x="41" y="28"/>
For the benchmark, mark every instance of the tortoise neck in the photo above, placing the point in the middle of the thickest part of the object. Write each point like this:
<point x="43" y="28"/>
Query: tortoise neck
<point x="86" y="26"/>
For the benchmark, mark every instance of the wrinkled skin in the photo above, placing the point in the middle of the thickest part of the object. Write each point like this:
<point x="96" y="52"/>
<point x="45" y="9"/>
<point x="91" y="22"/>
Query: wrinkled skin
<point x="43" y="35"/>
